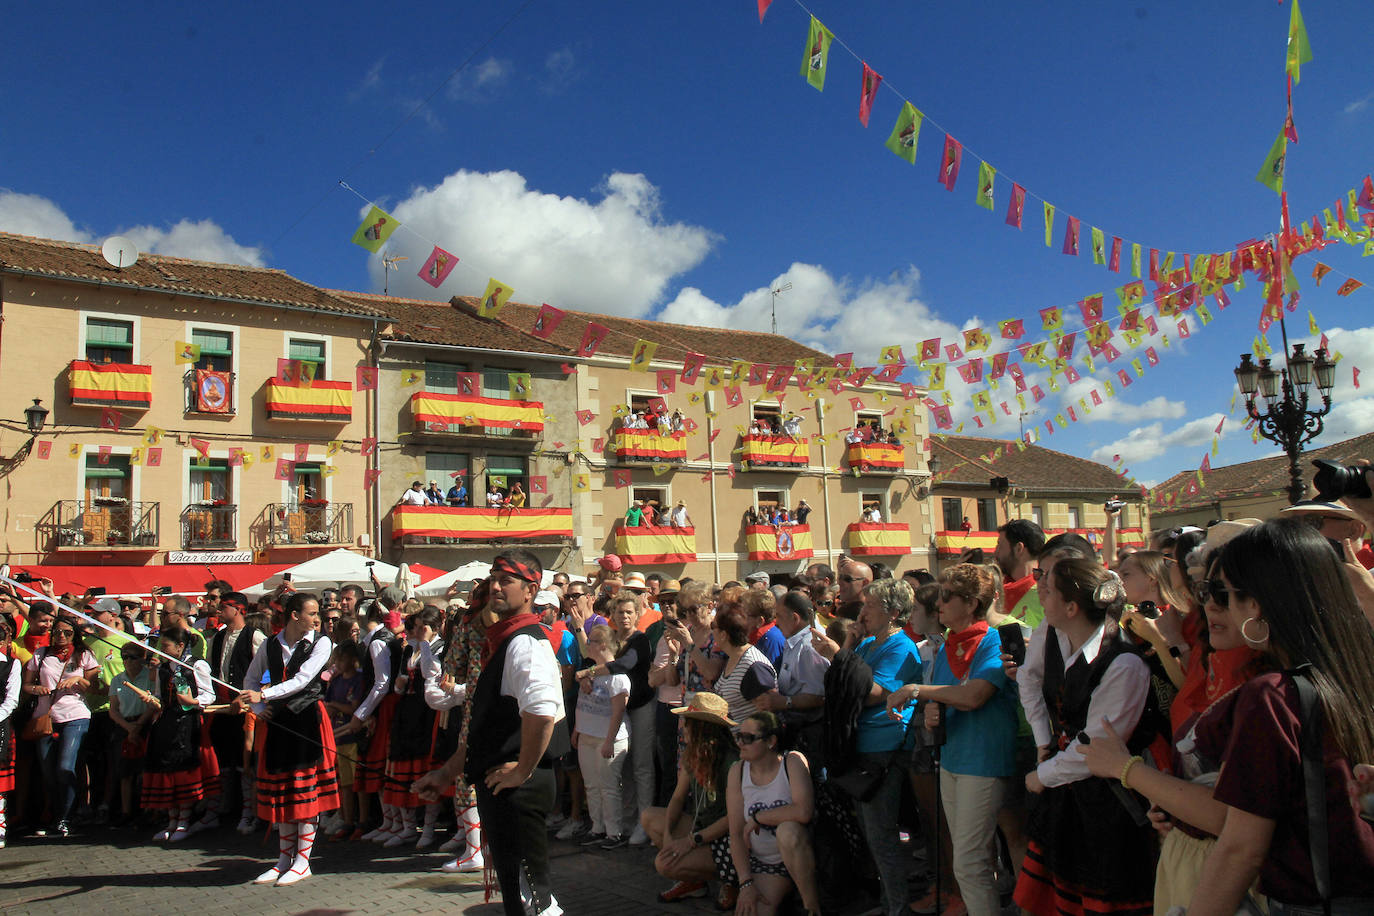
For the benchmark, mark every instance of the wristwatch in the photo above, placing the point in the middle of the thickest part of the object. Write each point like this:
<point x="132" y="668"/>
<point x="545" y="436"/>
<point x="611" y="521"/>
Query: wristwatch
<point x="697" y="840"/>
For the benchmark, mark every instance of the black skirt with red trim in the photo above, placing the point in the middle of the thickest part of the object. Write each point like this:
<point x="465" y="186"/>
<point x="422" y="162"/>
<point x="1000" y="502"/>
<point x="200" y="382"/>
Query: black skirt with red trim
<point x="371" y="775"/>
<point x="1087" y="856"/>
<point x="7" y="775"/>
<point x="307" y="789"/>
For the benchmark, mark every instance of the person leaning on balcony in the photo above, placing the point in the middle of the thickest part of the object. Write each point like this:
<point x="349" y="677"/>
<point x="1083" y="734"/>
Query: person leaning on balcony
<point x="634" y="516"/>
<point x="434" y="494"/>
<point x="457" y="494"/>
<point x="803" y="510"/>
<point x="415" y="496"/>
<point x="680" y="518"/>
<point x="516" y="499"/>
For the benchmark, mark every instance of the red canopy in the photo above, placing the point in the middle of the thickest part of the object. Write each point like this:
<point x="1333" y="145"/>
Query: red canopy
<point x="139" y="581"/>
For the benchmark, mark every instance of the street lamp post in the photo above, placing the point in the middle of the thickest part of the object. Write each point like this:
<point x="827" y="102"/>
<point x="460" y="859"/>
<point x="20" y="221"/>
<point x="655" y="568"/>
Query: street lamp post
<point x="1281" y="410"/>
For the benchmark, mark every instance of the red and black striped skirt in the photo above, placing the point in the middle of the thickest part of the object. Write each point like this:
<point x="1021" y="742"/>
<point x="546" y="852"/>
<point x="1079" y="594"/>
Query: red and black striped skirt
<point x="301" y="793"/>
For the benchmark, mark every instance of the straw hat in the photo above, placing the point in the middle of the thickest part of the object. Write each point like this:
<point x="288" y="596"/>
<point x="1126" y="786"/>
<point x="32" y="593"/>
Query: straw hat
<point x="1217" y="535"/>
<point x="1324" y="509"/>
<point x="635" y="581"/>
<point x="708" y="707"/>
<point x="671" y="587"/>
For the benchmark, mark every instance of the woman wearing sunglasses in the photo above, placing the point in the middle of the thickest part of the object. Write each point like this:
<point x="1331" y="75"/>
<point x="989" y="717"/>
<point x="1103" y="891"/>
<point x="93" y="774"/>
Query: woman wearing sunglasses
<point x="967" y="684"/>
<point x="770" y="805"/>
<point x="1280" y="590"/>
<point x="59" y="675"/>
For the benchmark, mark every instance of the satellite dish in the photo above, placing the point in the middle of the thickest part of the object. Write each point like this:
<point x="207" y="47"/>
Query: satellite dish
<point x="119" y="252"/>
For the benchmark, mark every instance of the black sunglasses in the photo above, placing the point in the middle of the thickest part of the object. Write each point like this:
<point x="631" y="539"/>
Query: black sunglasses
<point x="746" y="738"/>
<point x="1216" y="590"/>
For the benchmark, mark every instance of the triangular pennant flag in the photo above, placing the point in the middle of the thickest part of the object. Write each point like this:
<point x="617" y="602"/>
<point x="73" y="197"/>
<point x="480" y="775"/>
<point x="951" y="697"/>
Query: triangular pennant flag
<point x="949" y="162"/>
<point x="110" y="419"/>
<point x="987" y="175"/>
<point x="1099" y="246"/>
<point x="547" y="320"/>
<point x="376" y="227"/>
<point x="1016" y="206"/>
<point x="642" y="355"/>
<point x="438" y="266"/>
<point x="365" y="378"/>
<point x="520" y="385"/>
<point x="1299" y="51"/>
<point x="1071" y="237"/>
<point x="905" y="132"/>
<point x="814" y="62"/>
<point x="1114" y="259"/>
<point x="493" y="299"/>
<point x="186" y="352"/>
<point x="1049" y="223"/>
<point x="592" y="337"/>
<point x="1271" y="172"/>
<point x="868" y="90"/>
<point x="1348" y="287"/>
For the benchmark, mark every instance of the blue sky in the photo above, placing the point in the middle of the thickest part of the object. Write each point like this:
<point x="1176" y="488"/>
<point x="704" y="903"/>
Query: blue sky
<point x="669" y="160"/>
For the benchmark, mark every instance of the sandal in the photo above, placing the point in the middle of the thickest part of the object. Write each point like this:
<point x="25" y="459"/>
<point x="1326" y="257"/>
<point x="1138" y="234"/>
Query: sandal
<point x="727" y="898"/>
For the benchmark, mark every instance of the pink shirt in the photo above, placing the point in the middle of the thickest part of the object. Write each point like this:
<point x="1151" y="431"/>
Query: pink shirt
<point x="65" y="705"/>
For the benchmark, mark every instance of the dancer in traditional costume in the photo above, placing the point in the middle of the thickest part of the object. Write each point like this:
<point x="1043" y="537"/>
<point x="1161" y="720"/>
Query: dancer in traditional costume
<point x="180" y="769"/>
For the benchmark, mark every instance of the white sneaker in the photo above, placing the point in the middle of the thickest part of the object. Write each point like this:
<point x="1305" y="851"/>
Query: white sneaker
<point x="553" y="909"/>
<point x="372" y="835"/>
<point x="162" y="835"/>
<point x="639" y="837"/>
<point x="569" y="830"/>
<point x="383" y="836"/>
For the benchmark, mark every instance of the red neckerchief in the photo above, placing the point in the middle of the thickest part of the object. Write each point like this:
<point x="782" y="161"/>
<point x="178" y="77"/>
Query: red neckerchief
<point x="498" y="631"/>
<point x="64" y="655"/>
<point x="962" y="646"/>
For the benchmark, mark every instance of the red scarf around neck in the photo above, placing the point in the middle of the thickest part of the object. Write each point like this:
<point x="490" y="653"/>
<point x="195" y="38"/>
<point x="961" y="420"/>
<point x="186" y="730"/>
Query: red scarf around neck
<point x="498" y="631"/>
<point x="962" y="646"/>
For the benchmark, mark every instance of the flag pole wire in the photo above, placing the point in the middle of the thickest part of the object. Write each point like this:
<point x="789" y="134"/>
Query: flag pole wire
<point x="176" y="661"/>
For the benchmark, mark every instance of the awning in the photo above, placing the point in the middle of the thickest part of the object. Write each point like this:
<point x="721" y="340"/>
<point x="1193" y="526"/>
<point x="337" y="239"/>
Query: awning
<point x="139" y="581"/>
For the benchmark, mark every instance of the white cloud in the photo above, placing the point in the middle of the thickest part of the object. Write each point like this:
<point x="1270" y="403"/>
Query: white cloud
<point x="1359" y="104"/>
<point x="560" y="64"/>
<point x="478" y="83"/>
<point x="614" y="255"/>
<point x="1146" y="442"/>
<point x="205" y="240"/>
<point x="1117" y="409"/>
<point x="30" y="214"/>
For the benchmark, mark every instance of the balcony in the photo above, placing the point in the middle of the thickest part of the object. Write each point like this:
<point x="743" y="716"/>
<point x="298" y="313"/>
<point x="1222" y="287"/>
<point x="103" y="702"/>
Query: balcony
<point x="648" y="545"/>
<point x="209" y="527"/>
<point x="875" y="457"/>
<point x="449" y="416"/>
<point x="307" y="524"/>
<point x="877" y="539"/>
<point x="647" y="445"/>
<point x="454" y="524"/>
<point x="209" y="392"/>
<point x="102" y="523"/>
<point x="317" y="400"/>
<point x="119" y="385"/>
<point x="781" y="542"/>
<point x="760" y="452"/>
<point x="953" y="543"/>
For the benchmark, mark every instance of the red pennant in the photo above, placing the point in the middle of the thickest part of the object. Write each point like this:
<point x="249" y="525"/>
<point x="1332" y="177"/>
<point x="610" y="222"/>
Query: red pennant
<point x="1114" y="260"/>
<point x="302" y="451"/>
<point x="999" y="365"/>
<point x="1154" y="264"/>
<point x="44" y="449"/>
<point x="599" y="444"/>
<point x="370" y="476"/>
<point x="110" y="419"/>
<point x="952" y="352"/>
<point x="547" y="320"/>
<point x="689" y="424"/>
<point x="365" y="378"/>
<point x="1016" y="206"/>
<point x="201" y="446"/>
<point x="1348" y="287"/>
<point x="1151" y="356"/>
<point x="1012" y="330"/>
<point x="868" y="90"/>
<point x="568" y="368"/>
<point x="1065" y="348"/>
<point x="369" y="446"/>
<point x="592" y="338"/>
<point x="1290" y="129"/>
<point x="1091" y="307"/>
<point x="763" y="8"/>
<point x="585" y="417"/>
<point x="539" y="484"/>
<point x="949" y="162"/>
<point x="1355" y="378"/>
<point x="691" y="368"/>
<point x="1366" y="198"/>
<point x="469" y="383"/>
<point x="1071" y="237"/>
<point x="930" y="349"/>
<point x="714" y="433"/>
<point x="153" y="457"/>
<point x="777" y="382"/>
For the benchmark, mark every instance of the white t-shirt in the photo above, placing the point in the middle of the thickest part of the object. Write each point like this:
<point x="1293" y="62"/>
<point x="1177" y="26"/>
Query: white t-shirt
<point x="594" y="709"/>
<point x="414" y="498"/>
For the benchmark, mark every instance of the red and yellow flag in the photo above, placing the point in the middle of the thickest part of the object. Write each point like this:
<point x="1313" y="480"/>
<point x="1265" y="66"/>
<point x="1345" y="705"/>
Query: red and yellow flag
<point x="864" y="539"/>
<point x="650" y="544"/>
<point x="785" y="542"/>
<point x="648" y="445"/>
<point x="111" y="385"/>
<point x="481" y="523"/>
<point x="321" y="401"/>
<point x="458" y="409"/>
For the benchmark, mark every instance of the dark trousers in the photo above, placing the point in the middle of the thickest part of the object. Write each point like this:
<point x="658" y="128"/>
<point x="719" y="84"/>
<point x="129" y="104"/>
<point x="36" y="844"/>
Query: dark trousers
<point x="517" y="838"/>
<point x="665" y="752"/>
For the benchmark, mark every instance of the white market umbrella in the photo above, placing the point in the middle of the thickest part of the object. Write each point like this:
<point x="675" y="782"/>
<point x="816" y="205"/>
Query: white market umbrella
<point x="331" y="570"/>
<point x="438" y="586"/>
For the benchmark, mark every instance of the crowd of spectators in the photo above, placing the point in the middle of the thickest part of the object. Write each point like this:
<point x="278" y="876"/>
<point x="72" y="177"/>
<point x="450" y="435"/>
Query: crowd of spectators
<point x="1060" y="729"/>
<point x="866" y="431"/>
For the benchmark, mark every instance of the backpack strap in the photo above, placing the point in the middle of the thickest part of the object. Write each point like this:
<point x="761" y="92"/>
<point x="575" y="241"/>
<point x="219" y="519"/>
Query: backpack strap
<point x="1314" y="784"/>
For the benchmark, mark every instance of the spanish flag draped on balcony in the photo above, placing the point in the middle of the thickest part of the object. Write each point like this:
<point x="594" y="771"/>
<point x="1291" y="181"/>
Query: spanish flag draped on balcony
<point x="111" y="385"/>
<point x="473" y="410"/>
<point x="649" y="445"/>
<point x="867" y="455"/>
<point x="763" y="450"/>
<point x="649" y="544"/>
<point x="864" y="539"/>
<point x="783" y="542"/>
<point x="479" y="523"/>
<point x="317" y="400"/>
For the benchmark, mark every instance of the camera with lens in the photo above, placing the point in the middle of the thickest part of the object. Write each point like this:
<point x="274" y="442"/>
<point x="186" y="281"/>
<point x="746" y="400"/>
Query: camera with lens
<point x="22" y="576"/>
<point x="1113" y="505"/>
<point x="1336" y="481"/>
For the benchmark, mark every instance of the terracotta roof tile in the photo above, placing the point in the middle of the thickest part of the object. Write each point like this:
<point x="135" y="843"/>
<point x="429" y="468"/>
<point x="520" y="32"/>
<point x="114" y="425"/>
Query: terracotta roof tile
<point x="967" y="460"/>
<point x="68" y="260"/>
<point x="426" y="321"/>
<point x="1263" y="475"/>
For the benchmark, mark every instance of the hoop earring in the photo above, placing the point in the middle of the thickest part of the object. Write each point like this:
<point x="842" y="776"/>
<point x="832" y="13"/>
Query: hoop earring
<point x="1256" y="643"/>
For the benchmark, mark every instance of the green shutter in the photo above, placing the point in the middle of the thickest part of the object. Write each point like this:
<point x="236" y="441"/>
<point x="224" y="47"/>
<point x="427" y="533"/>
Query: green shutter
<point x="105" y="332"/>
<point x="213" y="343"/>
<point x="308" y="351"/>
<point x="506" y="464"/>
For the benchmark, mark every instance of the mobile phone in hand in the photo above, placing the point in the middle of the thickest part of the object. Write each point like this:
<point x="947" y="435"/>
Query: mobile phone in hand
<point x="1013" y="642"/>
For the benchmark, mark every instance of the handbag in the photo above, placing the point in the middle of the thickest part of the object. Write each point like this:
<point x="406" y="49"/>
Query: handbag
<point x="862" y="779"/>
<point x="37" y="727"/>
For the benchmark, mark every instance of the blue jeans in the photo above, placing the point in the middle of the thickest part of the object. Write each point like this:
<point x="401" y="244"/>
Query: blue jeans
<point x="57" y="753"/>
<point x="878" y="821"/>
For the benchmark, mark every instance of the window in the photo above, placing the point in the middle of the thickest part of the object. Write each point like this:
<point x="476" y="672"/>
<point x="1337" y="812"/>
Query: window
<point x="109" y="340"/>
<point x="442" y="378"/>
<point x="107" y="478"/>
<point x="1074" y="520"/>
<point x="1038" y="515"/>
<point x="441" y="466"/>
<point x="770" y="414"/>
<point x="504" y="472"/>
<point x="496" y="384"/>
<point x="216" y="349"/>
<point x="655" y="498"/>
<point x="868" y="502"/>
<point x="954" y="512"/>
<point x="307" y="482"/>
<point x="873" y="419"/>
<point x="210" y="481"/>
<point x="308" y="351"/>
<point x="770" y="499"/>
<point x="987" y="515"/>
